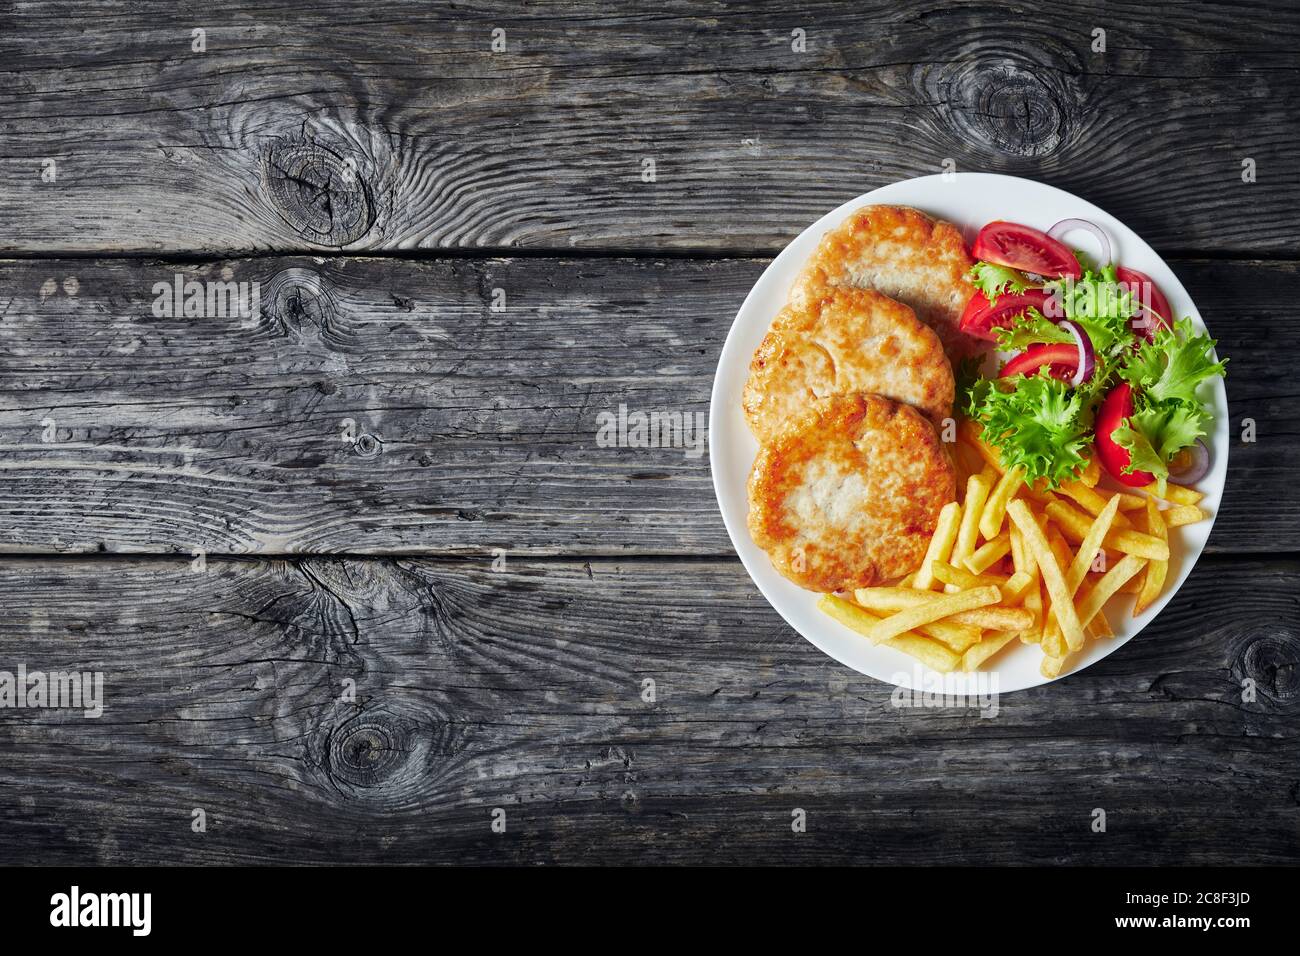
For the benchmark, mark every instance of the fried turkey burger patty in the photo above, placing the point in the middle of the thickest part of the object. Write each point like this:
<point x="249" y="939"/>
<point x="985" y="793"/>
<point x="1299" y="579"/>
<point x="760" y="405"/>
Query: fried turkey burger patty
<point x="851" y="340"/>
<point x="849" y="493"/>
<point x="904" y="254"/>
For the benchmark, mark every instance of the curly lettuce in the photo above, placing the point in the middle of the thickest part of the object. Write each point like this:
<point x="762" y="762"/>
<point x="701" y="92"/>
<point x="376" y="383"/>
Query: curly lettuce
<point x="1101" y="307"/>
<point x="1167" y="414"/>
<point x="994" y="280"/>
<point x="1170" y="368"/>
<point x="1036" y="422"/>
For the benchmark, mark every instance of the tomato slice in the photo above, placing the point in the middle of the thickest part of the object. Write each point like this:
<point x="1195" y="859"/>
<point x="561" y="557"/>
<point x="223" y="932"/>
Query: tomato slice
<point x="981" y="316"/>
<point x="1149" y="294"/>
<point x="1114" y="412"/>
<point x="1025" y="248"/>
<point x="1062" y="361"/>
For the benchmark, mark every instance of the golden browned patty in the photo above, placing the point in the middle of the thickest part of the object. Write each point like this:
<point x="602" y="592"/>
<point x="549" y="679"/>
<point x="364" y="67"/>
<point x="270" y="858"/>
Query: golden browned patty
<point x="903" y="253"/>
<point x="848" y="495"/>
<point x="852" y="340"/>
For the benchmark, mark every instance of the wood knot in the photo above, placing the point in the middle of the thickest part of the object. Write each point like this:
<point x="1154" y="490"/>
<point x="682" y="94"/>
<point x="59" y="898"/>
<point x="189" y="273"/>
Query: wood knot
<point x="368" y="445"/>
<point x="316" y="191"/>
<point x="388" y="753"/>
<point x="1273" y="662"/>
<point x="367" y="752"/>
<point x="300" y="301"/>
<point x="1006" y="105"/>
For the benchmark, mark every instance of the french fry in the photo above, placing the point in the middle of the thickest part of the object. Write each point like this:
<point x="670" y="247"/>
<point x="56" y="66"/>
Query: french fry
<point x="1175" y="494"/>
<point x="848" y="613"/>
<point x="1104" y="589"/>
<point x="1013" y="619"/>
<point x="1091" y="501"/>
<point x="988" y="554"/>
<point x="887" y="600"/>
<point x="1099" y="627"/>
<point x="1050" y="569"/>
<point x="966" y="462"/>
<point x="995" y="508"/>
<point x="1046" y="600"/>
<point x="931" y="653"/>
<point x="945" y="606"/>
<point x="890" y="600"/>
<point x="970" y="432"/>
<point x="1091" y="544"/>
<point x="1054" y="641"/>
<point x="1091" y="473"/>
<point x="1051" y="667"/>
<point x="1074" y="525"/>
<point x="1017" y="586"/>
<point x="1127" y="502"/>
<point x="1060" y="548"/>
<point x="1052" y="636"/>
<point x="977" y="491"/>
<point x="964" y="471"/>
<point x="1018" y="558"/>
<point x="1179" y="515"/>
<point x="1109" y="560"/>
<point x="945" y="533"/>
<point x="963" y="579"/>
<point x="1078" y="569"/>
<point x="973" y="460"/>
<point x="975" y="657"/>
<point x="1034" y="605"/>
<point x="1134" y="584"/>
<point x="1140" y="522"/>
<point x="956" y="635"/>
<point x="960" y="469"/>
<point x="1037" y="492"/>
<point x="1153" y="578"/>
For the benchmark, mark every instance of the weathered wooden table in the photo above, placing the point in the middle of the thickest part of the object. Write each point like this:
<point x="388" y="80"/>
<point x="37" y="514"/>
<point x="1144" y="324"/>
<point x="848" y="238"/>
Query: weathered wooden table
<point x="357" y="572"/>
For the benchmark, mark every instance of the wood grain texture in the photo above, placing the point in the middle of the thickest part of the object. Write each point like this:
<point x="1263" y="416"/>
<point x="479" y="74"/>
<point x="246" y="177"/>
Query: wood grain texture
<point x="475" y="429"/>
<point x="398" y="128"/>
<point x="124" y="432"/>
<point x="523" y="689"/>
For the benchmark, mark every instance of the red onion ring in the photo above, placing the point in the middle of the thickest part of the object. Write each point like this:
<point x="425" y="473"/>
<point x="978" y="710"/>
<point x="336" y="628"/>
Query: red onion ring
<point x="1058" y="231"/>
<point x="1197" y="468"/>
<point x="1087" y="358"/>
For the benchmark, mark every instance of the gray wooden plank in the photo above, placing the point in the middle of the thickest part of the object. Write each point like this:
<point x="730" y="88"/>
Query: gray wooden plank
<point x="523" y="689"/>
<point x="399" y="128"/>
<point x="122" y="431"/>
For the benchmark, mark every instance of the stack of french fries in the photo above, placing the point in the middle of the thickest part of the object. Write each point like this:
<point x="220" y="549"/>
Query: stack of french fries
<point x="1009" y="561"/>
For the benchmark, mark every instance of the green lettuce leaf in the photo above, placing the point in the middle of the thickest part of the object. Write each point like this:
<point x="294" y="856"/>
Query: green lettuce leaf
<point x="1155" y="433"/>
<point x="1030" y="328"/>
<point x="1170" y="368"/>
<point x="1101" y="307"/>
<point x="1142" y="456"/>
<point x="1170" y="427"/>
<point x="993" y="280"/>
<point x="1036" y="422"/>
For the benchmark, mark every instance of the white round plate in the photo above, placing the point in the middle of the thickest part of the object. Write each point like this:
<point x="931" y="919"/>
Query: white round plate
<point x="969" y="200"/>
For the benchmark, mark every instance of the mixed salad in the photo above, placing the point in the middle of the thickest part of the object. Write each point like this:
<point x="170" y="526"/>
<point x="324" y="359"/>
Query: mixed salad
<point x="1098" y="360"/>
